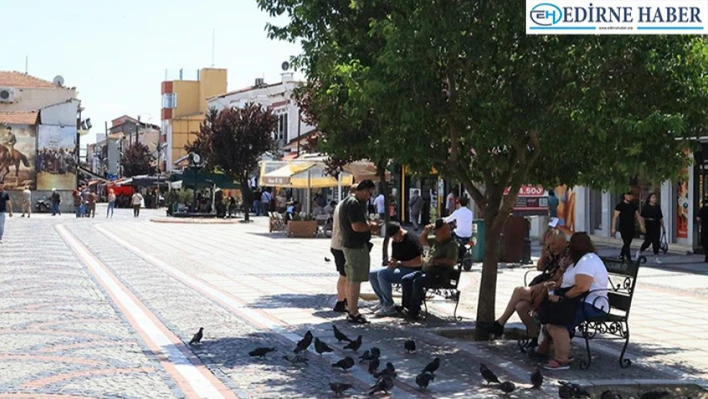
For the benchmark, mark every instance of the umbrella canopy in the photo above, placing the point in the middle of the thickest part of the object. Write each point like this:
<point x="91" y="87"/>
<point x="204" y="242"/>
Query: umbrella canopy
<point x="192" y="178"/>
<point x="281" y="177"/>
<point x="317" y="177"/>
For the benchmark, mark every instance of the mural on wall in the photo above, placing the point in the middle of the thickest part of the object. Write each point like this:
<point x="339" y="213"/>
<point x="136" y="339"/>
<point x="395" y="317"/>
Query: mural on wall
<point x="565" y="210"/>
<point x="18" y="145"/>
<point x="682" y="209"/>
<point x="56" y="157"/>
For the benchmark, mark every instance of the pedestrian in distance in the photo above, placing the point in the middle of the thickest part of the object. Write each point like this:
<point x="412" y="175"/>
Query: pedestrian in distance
<point x="56" y="202"/>
<point x="654" y="224"/>
<point x="136" y="201"/>
<point x="26" y="202"/>
<point x="5" y="208"/>
<point x="703" y="220"/>
<point x="416" y="206"/>
<point x="111" y="203"/>
<point x="626" y="212"/>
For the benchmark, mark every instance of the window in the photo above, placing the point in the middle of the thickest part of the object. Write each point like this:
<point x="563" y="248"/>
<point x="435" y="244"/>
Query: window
<point x="282" y="127"/>
<point x="169" y="100"/>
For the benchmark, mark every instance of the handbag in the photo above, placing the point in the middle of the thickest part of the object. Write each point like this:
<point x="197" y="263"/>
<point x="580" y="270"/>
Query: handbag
<point x="560" y="313"/>
<point x="664" y="243"/>
<point x="541" y="278"/>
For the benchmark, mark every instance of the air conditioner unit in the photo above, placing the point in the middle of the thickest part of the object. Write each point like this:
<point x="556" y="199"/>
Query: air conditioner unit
<point x="7" y="95"/>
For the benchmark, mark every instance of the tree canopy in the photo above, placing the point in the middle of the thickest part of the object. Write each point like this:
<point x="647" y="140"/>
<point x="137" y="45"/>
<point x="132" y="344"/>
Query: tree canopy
<point x="137" y="160"/>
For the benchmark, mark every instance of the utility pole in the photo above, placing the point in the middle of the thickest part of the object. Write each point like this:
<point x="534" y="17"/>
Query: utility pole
<point x="299" y="126"/>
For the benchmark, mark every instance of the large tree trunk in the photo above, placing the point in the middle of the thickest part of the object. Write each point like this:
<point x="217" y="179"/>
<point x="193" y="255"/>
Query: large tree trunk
<point x="381" y="171"/>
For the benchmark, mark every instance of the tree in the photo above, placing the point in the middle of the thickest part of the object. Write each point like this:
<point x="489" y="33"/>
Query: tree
<point x="234" y="140"/>
<point x="494" y="108"/>
<point x="137" y="160"/>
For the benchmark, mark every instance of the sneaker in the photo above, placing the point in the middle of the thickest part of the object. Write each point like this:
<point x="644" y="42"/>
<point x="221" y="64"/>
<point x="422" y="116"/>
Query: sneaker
<point x="386" y="311"/>
<point x="377" y="307"/>
<point x="657" y="260"/>
<point x="639" y="253"/>
<point x="340" y="307"/>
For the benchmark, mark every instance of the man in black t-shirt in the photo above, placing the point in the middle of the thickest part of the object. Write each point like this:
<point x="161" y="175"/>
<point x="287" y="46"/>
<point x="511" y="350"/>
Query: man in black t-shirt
<point x="407" y="258"/>
<point x="5" y="207"/>
<point x="626" y="212"/>
<point x="356" y="234"/>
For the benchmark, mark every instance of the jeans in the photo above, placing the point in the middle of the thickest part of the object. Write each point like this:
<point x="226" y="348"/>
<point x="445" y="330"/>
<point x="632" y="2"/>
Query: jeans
<point x="55" y="209"/>
<point x="414" y="219"/>
<point x="2" y="224"/>
<point x="111" y="207"/>
<point x="257" y="207"/>
<point x="77" y="208"/>
<point x="414" y="286"/>
<point x="382" y="279"/>
<point x="83" y="210"/>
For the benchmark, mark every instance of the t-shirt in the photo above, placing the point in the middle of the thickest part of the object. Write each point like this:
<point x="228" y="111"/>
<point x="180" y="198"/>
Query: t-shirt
<point x="408" y="249"/>
<point x="626" y="216"/>
<point x="553" y="206"/>
<point x="380" y="204"/>
<point x="137" y="199"/>
<point x="450" y="202"/>
<point x="464" y="217"/>
<point x="447" y="249"/>
<point x="590" y="265"/>
<point x="352" y="211"/>
<point x="27" y="195"/>
<point x="265" y="197"/>
<point x="56" y="198"/>
<point x="4" y="197"/>
<point x="652" y="214"/>
<point x="337" y="237"/>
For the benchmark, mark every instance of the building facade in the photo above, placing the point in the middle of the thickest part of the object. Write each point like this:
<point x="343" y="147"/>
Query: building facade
<point x="184" y="105"/>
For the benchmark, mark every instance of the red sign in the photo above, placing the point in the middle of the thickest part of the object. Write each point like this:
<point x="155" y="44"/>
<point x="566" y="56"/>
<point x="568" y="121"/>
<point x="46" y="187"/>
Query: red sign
<point x="530" y="191"/>
<point x="532" y="200"/>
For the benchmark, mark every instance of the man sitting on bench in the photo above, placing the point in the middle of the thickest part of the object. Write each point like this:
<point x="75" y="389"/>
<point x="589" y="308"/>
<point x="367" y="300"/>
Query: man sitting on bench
<point x="437" y="265"/>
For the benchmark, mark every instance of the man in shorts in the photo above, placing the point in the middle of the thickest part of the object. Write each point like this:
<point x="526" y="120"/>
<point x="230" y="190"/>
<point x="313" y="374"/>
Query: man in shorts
<point x="356" y="235"/>
<point x="336" y="249"/>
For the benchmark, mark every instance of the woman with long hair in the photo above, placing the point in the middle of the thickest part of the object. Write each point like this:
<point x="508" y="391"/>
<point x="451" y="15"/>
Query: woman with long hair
<point x="654" y="224"/>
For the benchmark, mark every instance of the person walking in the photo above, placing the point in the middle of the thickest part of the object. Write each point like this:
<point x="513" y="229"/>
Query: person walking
<point x="416" y="205"/>
<point x="137" y="201"/>
<point x="5" y="208"/>
<point x="91" y="206"/>
<point x="84" y="201"/>
<point x="337" y="249"/>
<point x="26" y="202"/>
<point x="654" y="224"/>
<point x="703" y="220"/>
<point x="627" y="213"/>
<point x="111" y="203"/>
<point x="380" y="204"/>
<point x="77" y="202"/>
<point x="55" y="199"/>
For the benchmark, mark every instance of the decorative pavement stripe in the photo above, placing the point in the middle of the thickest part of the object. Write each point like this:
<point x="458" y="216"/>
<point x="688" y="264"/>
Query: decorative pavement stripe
<point x="186" y="369"/>
<point x="258" y="317"/>
<point x="85" y="373"/>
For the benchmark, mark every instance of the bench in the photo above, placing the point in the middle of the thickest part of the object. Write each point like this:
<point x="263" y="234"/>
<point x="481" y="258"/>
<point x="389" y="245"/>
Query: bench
<point x="622" y="283"/>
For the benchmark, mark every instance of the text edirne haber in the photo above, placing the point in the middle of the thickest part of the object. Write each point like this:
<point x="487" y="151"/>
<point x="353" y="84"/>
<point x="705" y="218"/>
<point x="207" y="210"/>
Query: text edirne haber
<point x="624" y="15"/>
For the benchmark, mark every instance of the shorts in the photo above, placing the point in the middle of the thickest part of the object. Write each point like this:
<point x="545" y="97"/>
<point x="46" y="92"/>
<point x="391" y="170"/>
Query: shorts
<point x="357" y="264"/>
<point x="339" y="261"/>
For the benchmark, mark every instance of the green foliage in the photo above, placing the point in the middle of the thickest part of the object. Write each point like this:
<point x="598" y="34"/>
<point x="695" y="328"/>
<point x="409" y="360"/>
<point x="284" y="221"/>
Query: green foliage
<point x="137" y="160"/>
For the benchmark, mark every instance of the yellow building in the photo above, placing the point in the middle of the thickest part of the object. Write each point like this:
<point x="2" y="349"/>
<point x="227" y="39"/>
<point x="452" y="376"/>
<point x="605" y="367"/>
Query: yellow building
<point x="184" y="104"/>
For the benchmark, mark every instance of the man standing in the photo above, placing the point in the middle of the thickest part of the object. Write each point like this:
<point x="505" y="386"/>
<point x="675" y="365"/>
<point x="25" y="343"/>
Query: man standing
<point x="703" y="220"/>
<point x="407" y="258"/>
<point x="380" y="204"/>
<point x="137" y="200"/>
<point x="84" y="201"/>
<point x="416" y="205"/>
<point x="627" y="212"/>
<point x="356" y="234"/>
<point x="450" y="202"/>
<point x="5" y="207"/>
<point x="336" y="247"/>
<point x="56" y="201"/>
<point x="463" y="218"/>
<point x="91" y="206"/>
<point x="265" y="201"/>
<point x="26" y="202"/>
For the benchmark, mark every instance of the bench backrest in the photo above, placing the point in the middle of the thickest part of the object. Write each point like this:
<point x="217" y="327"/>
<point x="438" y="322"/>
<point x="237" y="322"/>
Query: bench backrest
<point x="622" y="282"/>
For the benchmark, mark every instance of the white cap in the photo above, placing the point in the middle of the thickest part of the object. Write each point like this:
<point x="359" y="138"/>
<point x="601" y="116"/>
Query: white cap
<point x="553" y="223"/>
<point x="54" y="189"/>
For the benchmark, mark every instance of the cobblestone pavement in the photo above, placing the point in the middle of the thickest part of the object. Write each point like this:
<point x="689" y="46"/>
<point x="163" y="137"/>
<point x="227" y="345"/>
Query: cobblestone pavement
<point x="104" y="308"/>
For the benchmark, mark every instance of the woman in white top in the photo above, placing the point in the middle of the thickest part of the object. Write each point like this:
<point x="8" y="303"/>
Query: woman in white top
<point x="587" y="274"/>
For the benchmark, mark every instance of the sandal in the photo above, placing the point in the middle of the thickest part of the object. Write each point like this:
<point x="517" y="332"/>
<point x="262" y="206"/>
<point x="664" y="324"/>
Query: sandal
<point x="358" y="319"/>
<point x="555" y="364"/>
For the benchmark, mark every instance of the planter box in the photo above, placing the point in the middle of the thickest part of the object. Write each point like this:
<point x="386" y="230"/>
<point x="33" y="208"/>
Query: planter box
<point x="302" y="229"/>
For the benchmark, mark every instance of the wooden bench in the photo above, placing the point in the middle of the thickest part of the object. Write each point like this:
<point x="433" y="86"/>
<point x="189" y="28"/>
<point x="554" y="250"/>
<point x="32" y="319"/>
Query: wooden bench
<point x="622" y="283"/>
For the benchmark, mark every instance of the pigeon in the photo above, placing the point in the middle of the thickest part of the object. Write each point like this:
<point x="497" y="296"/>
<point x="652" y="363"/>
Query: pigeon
<point x="366" y="356"/>
<point x="654" y="395"/>
<point x="385" y="384"/>
<point x="610" y="394"/>
<point x="295" y="360"/>
<point x="197" y="338"/>
<point x="423" y="380"/>
<point x="339" y="335"/>
<point x="507" y="386"/>
<point x="375" y="352"/>
<point x="339" y="387"/>
<point x="433" y="366"/>
<point x="488" y="375"/>
<point x="409" y="346"/>
<point x="261" y="352"/>
<point x="568" y="390"/>
<point x="344" y="364"/>
<point x="321" y="347"/>
<point x="374" y="366"/>
<point x="354" y="345"/>
<point x="327" y="259"/>
<point x="389" y="371"/>
<point x="304" y="343"/>
<point x="537" y="378"/>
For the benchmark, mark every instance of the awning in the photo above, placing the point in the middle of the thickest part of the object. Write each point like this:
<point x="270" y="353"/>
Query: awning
<point x="280" y="177"/>
<point x="317" y="177"/>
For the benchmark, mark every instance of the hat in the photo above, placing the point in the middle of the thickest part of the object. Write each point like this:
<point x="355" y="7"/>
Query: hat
<point x="553" y="223"/>
<point x="54" y="189"/>
<point x="439" y="223"/>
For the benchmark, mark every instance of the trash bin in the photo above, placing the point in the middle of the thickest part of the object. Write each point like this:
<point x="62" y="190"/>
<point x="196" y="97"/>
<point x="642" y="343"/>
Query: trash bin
<point x="512" y="244"/>
<point x="478" y="238"/>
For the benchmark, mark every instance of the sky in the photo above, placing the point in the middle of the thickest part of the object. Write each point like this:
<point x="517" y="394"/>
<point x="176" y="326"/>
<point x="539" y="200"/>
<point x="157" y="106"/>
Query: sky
<point x="116" y="53"/>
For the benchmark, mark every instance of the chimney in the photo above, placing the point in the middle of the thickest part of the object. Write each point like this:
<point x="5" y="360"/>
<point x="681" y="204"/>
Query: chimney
<point x="260" y="82"/>
<point x="287" y="77"/>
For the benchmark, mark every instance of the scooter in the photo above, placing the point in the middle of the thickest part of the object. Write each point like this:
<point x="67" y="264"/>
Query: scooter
<point x="43" y="205"/>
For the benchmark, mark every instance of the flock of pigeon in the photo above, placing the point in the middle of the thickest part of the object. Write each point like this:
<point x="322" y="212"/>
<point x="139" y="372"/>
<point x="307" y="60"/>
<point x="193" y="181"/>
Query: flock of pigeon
<point x="385" y="378"/>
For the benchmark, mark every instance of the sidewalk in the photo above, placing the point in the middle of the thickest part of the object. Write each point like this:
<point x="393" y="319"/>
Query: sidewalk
<point x="676" y="249"/>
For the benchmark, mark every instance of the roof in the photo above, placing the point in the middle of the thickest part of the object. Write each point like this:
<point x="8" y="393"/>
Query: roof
<point x="18" y="79"/>
<point x="18" y="117"/>
<point x="245" y="90"/>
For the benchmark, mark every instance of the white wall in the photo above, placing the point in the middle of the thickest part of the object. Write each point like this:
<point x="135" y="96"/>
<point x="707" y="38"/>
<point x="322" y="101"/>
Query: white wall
<point x="32" y="99"/>
<point x="62" y="114"/>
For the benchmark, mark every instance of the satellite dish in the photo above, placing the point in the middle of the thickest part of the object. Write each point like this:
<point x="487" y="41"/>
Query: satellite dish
<point x="196" y="158"/>
<point x="59" y="81"/>
<point x="285" y="65"/>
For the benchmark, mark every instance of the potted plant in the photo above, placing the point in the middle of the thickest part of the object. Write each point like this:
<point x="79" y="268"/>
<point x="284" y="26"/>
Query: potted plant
<point x="302" y="227"/>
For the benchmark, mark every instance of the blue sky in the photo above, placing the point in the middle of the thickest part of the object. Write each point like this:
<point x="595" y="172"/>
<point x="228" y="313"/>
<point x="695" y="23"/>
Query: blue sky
<point x="116" y="52"/>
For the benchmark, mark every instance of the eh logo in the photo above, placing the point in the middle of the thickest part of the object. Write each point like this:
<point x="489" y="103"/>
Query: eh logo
<point x="546" y="14"/>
